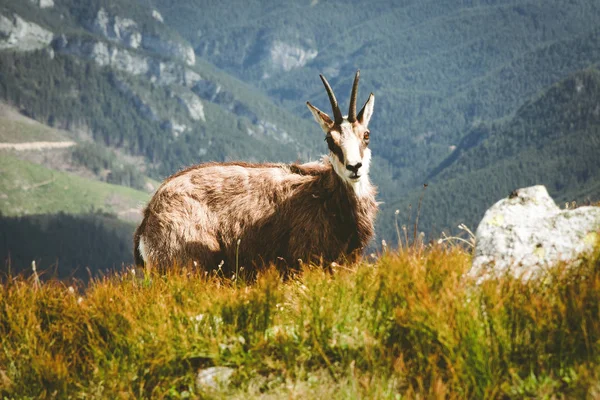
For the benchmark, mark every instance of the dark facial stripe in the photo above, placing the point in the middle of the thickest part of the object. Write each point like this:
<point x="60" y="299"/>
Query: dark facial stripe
<point x="335" y="149"/>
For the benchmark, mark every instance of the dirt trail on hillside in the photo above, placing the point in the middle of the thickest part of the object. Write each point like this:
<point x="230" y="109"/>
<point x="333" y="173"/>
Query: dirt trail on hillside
<point x="37" y="145"/>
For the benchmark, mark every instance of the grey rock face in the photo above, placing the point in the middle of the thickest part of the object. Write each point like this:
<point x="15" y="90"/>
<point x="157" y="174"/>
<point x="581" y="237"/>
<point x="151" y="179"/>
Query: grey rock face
<point x="43" y="3"/>
<point x="287" y="57"/>
<point x="116" y="28"/>
<point x="21" y="35"/>
<point x="526" y="233"/>
<point x="158" y="16"/>
<point x="107" y="54"/>
<point x="127" y="32"/>
<point x="193" y="105"/>
<point x="163" y="73"/>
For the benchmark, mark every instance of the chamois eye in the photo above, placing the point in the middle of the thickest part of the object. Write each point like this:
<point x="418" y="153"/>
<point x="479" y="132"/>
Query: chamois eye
<point x="366" y="137"/>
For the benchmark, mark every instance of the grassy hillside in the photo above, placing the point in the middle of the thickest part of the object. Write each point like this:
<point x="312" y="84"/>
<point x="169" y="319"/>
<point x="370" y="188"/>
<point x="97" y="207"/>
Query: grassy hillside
<point x="16" y="128"/>
<point x="33" y="189"/>
<point x="445" y="73"/>
<point x="407" y="326"/>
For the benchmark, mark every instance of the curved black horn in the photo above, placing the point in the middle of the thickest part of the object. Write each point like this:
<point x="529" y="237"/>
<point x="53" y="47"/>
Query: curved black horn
<point x="337" y="114"/>
<point x="353" y="95"/>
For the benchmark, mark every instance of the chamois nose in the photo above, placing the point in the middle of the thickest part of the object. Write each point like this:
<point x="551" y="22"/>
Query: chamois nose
<point x="354" y="168"/>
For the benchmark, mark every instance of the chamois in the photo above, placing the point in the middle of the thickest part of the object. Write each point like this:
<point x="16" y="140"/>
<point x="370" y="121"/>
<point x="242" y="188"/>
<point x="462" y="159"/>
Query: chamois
<point x="220" y="214"/>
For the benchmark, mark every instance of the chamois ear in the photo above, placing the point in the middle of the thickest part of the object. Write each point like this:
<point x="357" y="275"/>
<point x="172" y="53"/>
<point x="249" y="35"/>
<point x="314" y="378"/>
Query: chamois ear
<point x="322" y="119"/>
<point x="364" y="116"/>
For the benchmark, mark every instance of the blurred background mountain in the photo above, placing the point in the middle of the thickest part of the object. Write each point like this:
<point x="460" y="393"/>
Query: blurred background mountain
<point x="103" y="99"/>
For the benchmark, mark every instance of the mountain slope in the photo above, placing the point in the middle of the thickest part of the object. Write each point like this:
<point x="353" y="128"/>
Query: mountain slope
<point x="552" y="140"/>
<point x="27" y="188"/>
<point x="436" y="67"/>
<point x="134" y="84"/>
<point x="127" y="97"/>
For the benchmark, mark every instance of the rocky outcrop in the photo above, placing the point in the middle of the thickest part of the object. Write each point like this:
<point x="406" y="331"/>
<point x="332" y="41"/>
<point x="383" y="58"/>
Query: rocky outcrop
<point x="192" y="104"/>
<point x="128" y="33"/>
<point x="526" y="233"/>
<point x="286" y="57"/>
<point x="213" y="378"/>
<point x="123" y="30"/>
<point x="163" y="73"/>
<point x="107" y="54"/>
<point x="158" y="16"/>
<point x="43" y="3"/>
<point x="268" y="51"/>
<point x="21" y="35"/>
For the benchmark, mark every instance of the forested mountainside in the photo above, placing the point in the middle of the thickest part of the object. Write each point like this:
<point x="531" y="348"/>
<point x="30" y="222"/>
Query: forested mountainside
<point x="436" y="67"/>
<point x="113" y="72"/>
<point x="468" y="97"/>
<point x="553" y="139"/>
<point x="64" y="246"/>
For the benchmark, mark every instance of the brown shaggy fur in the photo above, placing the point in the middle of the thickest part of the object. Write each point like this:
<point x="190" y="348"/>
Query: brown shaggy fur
<point x="280" y="213"/>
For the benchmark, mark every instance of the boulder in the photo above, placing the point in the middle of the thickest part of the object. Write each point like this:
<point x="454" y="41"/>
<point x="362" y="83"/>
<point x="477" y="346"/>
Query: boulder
<point x="526" y="233"/>
<point x="213" y="378"/>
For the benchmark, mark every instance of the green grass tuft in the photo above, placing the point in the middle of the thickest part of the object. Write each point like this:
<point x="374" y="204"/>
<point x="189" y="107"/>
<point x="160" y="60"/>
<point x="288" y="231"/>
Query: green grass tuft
<point x="409" y="325"/>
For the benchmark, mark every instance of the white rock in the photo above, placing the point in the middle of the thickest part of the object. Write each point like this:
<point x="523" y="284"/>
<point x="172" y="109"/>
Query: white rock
<point x="100" y="54"/>
<point x="43" y="3"/>
<point x="213" y="378"/>
<point x="127" y="32"/>
<point x="107" y="54"/>
<point x="128" y="62"/>
<point x="101" y="22"/>
<point x="18" y="34"/>
<point x="117" y="29"/>
<point x="526" y="233"/>
<point x="157" y="16"/>
<point x="190" y="78"/>
<point x="193" y="104"/>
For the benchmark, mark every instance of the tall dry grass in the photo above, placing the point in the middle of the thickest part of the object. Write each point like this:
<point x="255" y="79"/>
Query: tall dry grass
<point x="409" y="325"/>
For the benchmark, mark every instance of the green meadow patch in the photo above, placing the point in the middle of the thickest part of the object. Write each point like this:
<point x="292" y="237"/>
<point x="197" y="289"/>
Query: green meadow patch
<point x="406" y="326"/>
<point x="27" y="188"/>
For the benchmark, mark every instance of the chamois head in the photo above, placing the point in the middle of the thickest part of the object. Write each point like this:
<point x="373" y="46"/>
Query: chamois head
<point x="347" y="136"/>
